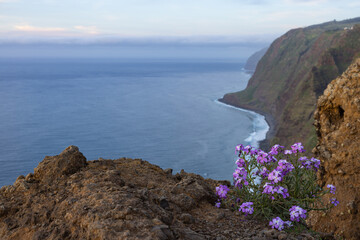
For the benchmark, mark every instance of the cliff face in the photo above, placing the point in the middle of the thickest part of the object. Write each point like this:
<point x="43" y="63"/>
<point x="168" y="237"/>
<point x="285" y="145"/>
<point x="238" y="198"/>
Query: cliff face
<point x="293" y="73"/>
<point x="337" y="121"/>
<point x="68" y="197"/>
<point x="253" y="60"/>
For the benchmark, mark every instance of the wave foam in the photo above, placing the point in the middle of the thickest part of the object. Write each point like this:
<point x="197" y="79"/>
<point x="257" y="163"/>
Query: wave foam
<point x="260" y="126"/>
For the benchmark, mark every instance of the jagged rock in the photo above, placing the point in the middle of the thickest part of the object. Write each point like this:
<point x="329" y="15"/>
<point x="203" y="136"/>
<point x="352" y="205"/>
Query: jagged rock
<point x="337" y="122"/>
<point x="68" y="162"/>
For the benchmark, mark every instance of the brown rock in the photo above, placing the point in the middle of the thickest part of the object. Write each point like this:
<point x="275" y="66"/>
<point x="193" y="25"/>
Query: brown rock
<point x="337" y="122"/>
<point x="272" y="234"/>
<point x="66" y="163"/>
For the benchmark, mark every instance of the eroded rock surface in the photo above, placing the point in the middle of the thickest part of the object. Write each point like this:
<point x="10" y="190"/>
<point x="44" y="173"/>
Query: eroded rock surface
<point x="68" y="197"/>
<point x="337" y="121"/>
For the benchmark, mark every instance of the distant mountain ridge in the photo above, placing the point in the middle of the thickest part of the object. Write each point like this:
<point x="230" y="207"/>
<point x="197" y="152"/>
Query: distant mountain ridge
<point x="253" y="60"/>
<point x="291" y="75"/>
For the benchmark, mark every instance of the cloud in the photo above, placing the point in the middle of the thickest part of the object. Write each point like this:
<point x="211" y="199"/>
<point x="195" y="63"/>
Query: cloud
<point x="306" y="2"/>
<point x="29" y="28"/>
<point x="87" y="29"/>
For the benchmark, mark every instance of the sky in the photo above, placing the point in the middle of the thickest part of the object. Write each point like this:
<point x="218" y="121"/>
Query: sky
<point x="244" y="23"/>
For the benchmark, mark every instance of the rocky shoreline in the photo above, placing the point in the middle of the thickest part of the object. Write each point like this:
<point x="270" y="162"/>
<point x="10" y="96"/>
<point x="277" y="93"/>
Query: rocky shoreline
<point x="264" y="144"/>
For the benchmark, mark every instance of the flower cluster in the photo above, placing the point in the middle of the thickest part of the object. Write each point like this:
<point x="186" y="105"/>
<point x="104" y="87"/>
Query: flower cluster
<point x="334" y="201"/>
<point x="284" y="167"/>
<point x="221" y="191"/>
<point x="276" y="149"/>
<point x="275" y="176"/>
<point x="240" y="177"/>
<point x="271" y="190"/>
<point x="247" y="149"/>
<point x="262" y="157"/>
<point x="332" y="188"/>
<point x="296" y="213"/>
<point x="247" y="208"/>
<point x="269" y="183"/>
<point x="279" y="224"/>
<point x="297" y="147"/>
<point x="312" y="163"/>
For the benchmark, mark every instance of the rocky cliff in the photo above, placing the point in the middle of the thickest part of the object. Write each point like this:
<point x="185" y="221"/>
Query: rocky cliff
<point x="253" y="60"/>
<point x="337" y="122"/>
<point x="68" y="197"/>
<point x="293" y="73"/>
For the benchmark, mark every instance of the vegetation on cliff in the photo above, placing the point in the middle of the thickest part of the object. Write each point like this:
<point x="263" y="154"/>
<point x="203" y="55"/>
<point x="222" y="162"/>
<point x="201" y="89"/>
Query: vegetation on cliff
<point x="293" y="73"/>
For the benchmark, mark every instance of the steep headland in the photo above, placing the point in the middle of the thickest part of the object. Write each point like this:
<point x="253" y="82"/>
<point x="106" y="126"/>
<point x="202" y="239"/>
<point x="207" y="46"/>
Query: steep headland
<point x="337" y="122"/>
<point x="253" y="60"/>
<point x="292" y="74"/>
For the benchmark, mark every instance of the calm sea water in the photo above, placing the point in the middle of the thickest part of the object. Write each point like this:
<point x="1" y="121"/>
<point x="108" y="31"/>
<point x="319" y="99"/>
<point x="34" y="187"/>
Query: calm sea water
<point x="162" y="111"/>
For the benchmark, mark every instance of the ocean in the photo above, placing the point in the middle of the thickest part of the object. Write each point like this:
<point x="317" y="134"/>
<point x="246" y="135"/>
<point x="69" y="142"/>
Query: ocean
<point x="162" y="111"/>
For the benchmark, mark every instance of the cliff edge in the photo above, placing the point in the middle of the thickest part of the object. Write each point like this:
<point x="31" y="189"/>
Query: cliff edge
<point x="292" y="74"/>
<point x="337" y="122"/>
<point x="68" y="197"/>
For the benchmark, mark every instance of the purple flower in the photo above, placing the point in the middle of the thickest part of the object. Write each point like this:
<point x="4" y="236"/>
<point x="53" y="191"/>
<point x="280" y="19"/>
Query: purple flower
<point x="254" y="152"/>
<point x="312" y="163"/>
<point x="262" y="157"/>
<point x="297" y="147"/>
<point x="296" y="213"/>
<point x="269" y="189"/>
<point x="264" y="172"/>
<point x="240" y="148"/>
<point x="332" y="188"/>
<point x="284" y="167"/>
<point x="275" y="176"/>
<point x="247" y="149"/>
<point x="240" y="162"/>
<point x="246" y="208"/>
<point x="334" y="201"/>
<point x="218" y="204"/>
<point x="282" y="191"/>
<point x="275" y="149"/>
<point x="316" y="163"/>
<point x="240" y="175"/>
<point x="288" y="152"/>
<point x="277" y="223"/>
<point x="221" y="191"/>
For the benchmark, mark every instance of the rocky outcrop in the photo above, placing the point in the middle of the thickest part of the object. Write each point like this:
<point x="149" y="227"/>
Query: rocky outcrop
<point x="292" y="74"/>
<point x="337" y="122"/>
<point x="68" y="197"/>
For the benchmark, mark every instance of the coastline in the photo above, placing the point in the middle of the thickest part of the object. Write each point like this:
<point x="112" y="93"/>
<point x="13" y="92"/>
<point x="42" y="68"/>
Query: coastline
<point x="265" y="143"/>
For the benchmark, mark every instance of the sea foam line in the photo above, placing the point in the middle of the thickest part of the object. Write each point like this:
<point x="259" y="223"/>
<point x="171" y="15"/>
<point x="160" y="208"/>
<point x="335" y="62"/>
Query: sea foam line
<point x="260" y="126"/>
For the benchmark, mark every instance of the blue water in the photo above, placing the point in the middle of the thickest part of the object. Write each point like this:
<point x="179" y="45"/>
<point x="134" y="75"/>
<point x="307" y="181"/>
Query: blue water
<point x="162" y="111"/>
